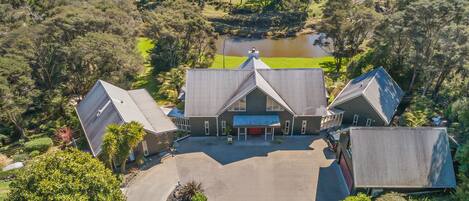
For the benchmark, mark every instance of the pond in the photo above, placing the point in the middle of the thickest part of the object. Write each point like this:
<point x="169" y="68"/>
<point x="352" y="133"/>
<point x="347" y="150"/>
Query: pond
<point x="299" y="46"/>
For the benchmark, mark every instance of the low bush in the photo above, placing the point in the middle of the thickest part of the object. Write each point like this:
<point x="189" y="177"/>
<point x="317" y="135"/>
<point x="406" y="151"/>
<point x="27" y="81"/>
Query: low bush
<point x="39" y="144"/>
<point x="20" y="157"/>
<point x="8" y="175"/>
<point x="199" y="197"/>
<point x="34" y="153"/>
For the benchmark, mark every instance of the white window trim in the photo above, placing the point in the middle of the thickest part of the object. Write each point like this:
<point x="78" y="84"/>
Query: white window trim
<point x="287" y="127"/>
<point x="145" y="148"/>
<point x="269" y="130"/>
<point x="237" y="106"/>
<point x="272" y="106"/>
<point x="368" y="122"/>
<point x="223" y="127"/>
<point x="304" y="124"/>
<point x="207" y="127"/>
<point x="355" y="119"/>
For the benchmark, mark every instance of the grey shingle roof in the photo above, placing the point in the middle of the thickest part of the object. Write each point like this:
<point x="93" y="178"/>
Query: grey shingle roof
<point x="378" y="87"/>
<point x="300" y="91"/>
<point x="398" y="157"/>
<point x="106" y="104"/>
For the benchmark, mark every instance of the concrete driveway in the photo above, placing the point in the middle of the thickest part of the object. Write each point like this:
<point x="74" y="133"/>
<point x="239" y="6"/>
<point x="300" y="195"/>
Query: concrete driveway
<point x="300" y="168"/>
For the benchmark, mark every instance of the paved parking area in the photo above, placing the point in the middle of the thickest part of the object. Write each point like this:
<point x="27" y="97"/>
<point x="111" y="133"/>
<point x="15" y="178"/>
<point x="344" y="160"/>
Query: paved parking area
<point x="299" y="168"/>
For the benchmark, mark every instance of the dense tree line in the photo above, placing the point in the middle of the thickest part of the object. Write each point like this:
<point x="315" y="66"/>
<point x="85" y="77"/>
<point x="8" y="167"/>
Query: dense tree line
<point x="52" y="52"/>
<point x="424" y="45"/>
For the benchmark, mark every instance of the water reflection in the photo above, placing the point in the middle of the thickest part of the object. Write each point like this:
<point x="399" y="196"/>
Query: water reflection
<point x="300" y="46"/>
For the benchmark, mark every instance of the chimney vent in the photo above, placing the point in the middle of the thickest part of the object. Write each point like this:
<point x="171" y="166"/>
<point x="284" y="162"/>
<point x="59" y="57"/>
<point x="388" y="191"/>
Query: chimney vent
<point x="253" y="53"/>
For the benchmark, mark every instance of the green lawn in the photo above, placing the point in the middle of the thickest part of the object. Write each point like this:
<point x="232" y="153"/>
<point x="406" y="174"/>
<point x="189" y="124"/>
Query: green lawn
<point x="275" y="62"/>
<point x="146" y="79"/>
<point x="4" y="188"/>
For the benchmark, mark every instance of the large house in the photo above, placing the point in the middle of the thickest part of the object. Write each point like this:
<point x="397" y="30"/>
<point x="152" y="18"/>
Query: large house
<point x="107" y="104"/>
<point x="256" y="100"/>
<point x="369" y="100"/>
<point x="375" y="159"/>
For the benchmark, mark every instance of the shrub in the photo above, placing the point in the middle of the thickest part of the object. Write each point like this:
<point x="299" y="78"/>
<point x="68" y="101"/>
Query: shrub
<point x="20" y="157"/>
<point x="39" y="144"/>
<point x="7" y="175"/>
<point x="34" y="153"/>
<point x="359" y="197"/>
<point x="199" y="197"/>
<point x="391" y="197"/>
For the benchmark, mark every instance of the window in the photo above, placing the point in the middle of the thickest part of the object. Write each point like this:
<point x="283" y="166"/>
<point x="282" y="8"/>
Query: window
<point x="272" y="106"/>
<point x="207" y="128"/>
<point x="355" y="120"/>
<point x="303" y="126"/>
<point x="223" y="127"/>
<point x="287" y="127"/>
<point x="242" y="131"/>
<point x="239" y="106"/>
<point x="145" y="148"/>
<point x="268" y="131"/>
<point x="368" y="122"/>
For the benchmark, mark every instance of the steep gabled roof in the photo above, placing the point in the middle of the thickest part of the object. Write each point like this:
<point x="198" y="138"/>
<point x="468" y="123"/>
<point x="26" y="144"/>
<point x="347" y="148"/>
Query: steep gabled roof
<point x="210" y="92"/>
<point x="255" y="81"/>
<point x="106" y="104"/>
<point x="253" y="63"/>
<point x="378" y="88"/>
<point x="398" y="157"/>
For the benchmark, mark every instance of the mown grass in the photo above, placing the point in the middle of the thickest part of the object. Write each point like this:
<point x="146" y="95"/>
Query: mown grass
<point x="146" y="79"/>
<point x="4" y="189"/>
<point x="277" y="62"/>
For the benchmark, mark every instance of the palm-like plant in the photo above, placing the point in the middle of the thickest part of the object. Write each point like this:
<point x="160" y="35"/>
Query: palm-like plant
<point x="189" y="190"/>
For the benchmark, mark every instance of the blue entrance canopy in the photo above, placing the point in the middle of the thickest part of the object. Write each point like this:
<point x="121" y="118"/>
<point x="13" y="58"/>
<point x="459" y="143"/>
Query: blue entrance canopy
<point x="256" y="121"/>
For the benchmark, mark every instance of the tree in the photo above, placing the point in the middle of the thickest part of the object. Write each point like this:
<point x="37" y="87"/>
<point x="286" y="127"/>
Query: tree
<point x="109" y="146"/>
<point x="16" y="91"/>
<point x="181" y="35"/>
<point x="171" y="83"/>
<point x="120" y="140"/>
<point x="462" y="190"/>
<point x="348" y="25"/>
<point x="420" y="40"/>
<point x="100" y="56"/>
<point x="359" y="197"/>
<point x="65" y="175"/>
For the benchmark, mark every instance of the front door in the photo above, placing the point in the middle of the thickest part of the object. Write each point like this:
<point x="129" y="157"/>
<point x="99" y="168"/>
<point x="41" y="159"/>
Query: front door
<point x="255" y="131"/>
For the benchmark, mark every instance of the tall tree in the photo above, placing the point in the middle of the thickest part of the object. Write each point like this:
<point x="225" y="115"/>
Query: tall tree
<point x="348" y="24"/>
<point x="100" y="56"/>
<point x="16" y="91"/>
<point x="181" y="35"/>
<point x="65" y="175"/>
<point x="121" y="141"/>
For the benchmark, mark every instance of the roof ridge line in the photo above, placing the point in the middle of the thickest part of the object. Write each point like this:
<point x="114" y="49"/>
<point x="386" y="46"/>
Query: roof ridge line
<point x="270" y="85"/>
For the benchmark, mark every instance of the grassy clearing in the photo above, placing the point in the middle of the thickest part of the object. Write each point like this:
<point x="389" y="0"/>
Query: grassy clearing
<point x="4" y="188"/>
<point x="276" y="62"/>
<point x="146" y="79"/>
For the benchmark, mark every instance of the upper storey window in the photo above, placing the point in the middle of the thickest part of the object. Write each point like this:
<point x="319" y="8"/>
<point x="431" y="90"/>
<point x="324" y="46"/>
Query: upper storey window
<point x="239" y="106"/>
<point x="273" y="106"/>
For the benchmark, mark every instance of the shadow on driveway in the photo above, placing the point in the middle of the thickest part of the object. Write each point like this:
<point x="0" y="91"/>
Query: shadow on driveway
<point x="219" y="150"/>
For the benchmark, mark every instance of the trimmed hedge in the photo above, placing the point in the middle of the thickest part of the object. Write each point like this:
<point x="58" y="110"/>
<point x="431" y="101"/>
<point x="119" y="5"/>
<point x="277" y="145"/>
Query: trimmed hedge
<point x="39" y="144"/>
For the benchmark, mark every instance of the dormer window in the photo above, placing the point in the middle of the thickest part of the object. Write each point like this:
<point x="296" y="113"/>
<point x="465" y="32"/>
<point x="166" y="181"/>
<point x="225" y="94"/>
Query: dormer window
<point x="239" y="106"/>
<point x="273" y="106"/>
